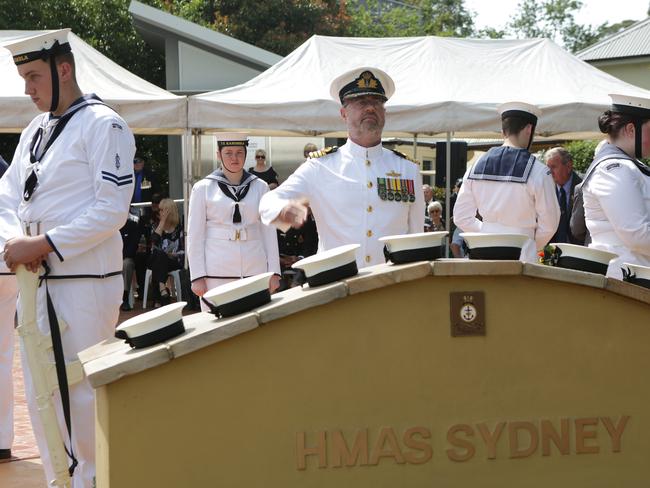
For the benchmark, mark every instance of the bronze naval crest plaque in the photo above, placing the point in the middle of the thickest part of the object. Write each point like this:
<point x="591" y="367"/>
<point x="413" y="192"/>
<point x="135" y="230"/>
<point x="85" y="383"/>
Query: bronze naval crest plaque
<point x="467" y="310"/>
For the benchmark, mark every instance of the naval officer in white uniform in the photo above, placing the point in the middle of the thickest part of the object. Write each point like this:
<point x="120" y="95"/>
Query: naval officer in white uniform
<point x="511" y="190"/>
<point x="226" y="240"/>
<point x="63" y="201"/>
<point x="8" y="296"/>
<point x="616" y="188"/>
<point x="360" y="191"/>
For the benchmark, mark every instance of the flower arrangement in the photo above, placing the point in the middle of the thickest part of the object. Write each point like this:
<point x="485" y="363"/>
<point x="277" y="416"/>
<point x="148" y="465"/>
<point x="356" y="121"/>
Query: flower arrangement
<point x="549" y="255"/>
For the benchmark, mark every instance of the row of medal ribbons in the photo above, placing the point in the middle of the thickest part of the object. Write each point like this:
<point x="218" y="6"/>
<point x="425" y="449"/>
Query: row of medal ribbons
<point x="396" y="190"/>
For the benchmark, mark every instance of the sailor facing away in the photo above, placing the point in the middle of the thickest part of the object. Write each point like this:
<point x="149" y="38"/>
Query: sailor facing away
<point x="8" y="296"/>
<point x="360" y="191"/>
<point x="63" y="201"/>
<point x="226" y="240"/>
<point x="509" y="188"/>
<point x="616" y="188"/>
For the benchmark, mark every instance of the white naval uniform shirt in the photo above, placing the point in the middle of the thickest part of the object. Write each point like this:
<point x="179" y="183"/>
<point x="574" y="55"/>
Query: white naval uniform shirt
<point x="529" y="208"/>
<point x="83" y="194"/>
<point x="218" y="247"/>
<point x="617" y="213"/>
<point x="342" y="191"/>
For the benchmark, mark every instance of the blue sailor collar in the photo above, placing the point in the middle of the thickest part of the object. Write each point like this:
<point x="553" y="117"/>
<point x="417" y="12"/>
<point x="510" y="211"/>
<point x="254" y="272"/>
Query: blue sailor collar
<point x="504" y="163"/>
<point x="362" y="152"/>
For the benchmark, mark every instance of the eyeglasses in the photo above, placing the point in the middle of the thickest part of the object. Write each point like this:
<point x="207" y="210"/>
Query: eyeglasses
<point x="260" y="157"/>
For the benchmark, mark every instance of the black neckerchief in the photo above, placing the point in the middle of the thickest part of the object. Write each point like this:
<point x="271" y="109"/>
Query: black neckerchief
<point x="77" y="105"/>
<point x="234" y="192"/>
<point x="31" y="181"/>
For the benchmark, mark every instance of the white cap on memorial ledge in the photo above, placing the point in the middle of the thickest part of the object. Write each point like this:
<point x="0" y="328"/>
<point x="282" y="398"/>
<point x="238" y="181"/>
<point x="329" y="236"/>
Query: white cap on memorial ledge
<point x="408" y="248"/>
<point x="636" y="274"/>
<point x="153" y="327"/>
<point x="328" y="266"/>
<point x="239" y="296"/>
<point x="581" y="258"/>
<point x="494" y="246"/>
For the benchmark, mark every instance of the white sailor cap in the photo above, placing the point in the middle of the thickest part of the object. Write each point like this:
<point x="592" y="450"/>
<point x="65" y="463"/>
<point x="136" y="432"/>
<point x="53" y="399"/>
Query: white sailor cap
<point x="520" y="109"/>
<point x="362" y="81"/>
<point x="630" y="105"/>
<point x="40" y="46"/>
<point x="153" y="327"/>
<point x="232" y="139"/>
<point x="494" y="246"/>
<point x="328" y="266"/>
<point x="407" y="248"/>
<point x="239" y="296"/>
<point x="581" y="258"/>
<point x="636" y="274"/>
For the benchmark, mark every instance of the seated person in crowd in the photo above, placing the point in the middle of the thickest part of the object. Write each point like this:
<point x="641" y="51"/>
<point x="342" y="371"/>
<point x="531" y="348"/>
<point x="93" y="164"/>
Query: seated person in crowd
<point x="149" y="219"/>
<point x="167" y="250"/>
<point x="131" y="233"/>
<point x="263" y="172"/>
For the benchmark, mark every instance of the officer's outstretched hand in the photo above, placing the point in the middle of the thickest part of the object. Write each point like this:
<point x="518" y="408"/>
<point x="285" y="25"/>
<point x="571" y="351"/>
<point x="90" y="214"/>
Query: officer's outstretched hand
<point x="294" y="213"/>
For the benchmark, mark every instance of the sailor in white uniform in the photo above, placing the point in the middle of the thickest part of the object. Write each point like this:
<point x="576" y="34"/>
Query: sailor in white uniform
<point x="616" y="188"/>
<point x="360" y="191"/>
<point x="8" y="296"/>
<point x="512" y="191"/>
<point x="226" y="240"/>
<point x="63" y="201"/>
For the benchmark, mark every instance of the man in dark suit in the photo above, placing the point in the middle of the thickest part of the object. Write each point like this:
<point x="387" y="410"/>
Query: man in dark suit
<point x="560" y="163"/>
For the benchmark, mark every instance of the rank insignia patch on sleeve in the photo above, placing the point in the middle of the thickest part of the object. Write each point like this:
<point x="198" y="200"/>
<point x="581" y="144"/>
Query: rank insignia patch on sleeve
<point x="117" y="161"/>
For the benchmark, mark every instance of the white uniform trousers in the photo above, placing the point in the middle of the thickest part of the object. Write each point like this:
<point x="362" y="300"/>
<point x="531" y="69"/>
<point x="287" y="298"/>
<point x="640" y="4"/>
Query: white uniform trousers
<point x="90" y="307"/>
<point x="8" y="295"/>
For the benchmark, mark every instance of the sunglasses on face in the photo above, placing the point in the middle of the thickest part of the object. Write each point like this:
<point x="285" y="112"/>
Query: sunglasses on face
<point x="260" y="157"/>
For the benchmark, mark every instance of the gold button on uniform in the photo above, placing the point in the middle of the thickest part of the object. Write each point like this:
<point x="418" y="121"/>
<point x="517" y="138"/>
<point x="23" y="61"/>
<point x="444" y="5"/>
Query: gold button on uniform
<point x="370" y="184"/>
<point x="369" y="209"/>
<point x="367" y="162"/>
<point x="369" y="233"/>
<point x="368" y="259"/>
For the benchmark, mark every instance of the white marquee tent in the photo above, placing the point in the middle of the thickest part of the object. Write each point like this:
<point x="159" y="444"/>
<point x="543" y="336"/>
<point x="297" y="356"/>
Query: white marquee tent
<point x="442" y="85"/>
<point x="147" y="108"/>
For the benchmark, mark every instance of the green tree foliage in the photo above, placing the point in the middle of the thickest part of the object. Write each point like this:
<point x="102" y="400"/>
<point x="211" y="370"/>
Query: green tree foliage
<point x="278" y="26"/>
<point x="582" y="153"/>
<point x="374" y="18"/>
<point x="105" y="25"/>
<point x="553" y="19"/>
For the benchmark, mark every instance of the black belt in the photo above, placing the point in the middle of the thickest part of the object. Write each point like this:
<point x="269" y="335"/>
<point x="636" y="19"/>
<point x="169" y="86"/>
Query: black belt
<point x="48" y="276"/>
<point x="225" y="277"/>
<point x="57" y="346"/>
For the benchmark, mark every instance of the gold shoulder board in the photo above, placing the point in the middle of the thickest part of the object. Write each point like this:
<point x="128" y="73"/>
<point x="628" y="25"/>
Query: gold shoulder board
<point x="323" y="152"/>
<point x="404" y="156"/>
